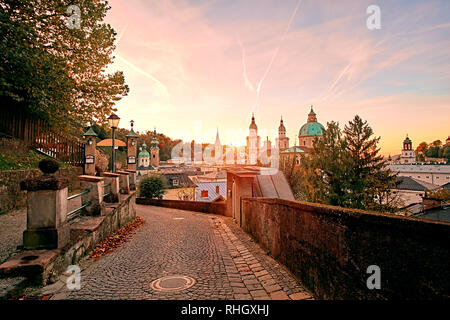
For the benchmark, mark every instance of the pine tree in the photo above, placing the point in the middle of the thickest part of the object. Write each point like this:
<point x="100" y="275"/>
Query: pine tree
<point x="344" y="168"/>
<point x="370" y="176"/>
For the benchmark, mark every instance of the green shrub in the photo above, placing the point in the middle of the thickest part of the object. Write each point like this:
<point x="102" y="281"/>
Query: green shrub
<point x="152" y="186"/>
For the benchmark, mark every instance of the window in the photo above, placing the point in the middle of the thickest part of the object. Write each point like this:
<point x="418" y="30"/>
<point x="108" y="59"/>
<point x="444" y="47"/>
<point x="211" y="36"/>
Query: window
<point x="217" y="189"/>
<point x="204" y="193"/>
<point x="175" y="182"/>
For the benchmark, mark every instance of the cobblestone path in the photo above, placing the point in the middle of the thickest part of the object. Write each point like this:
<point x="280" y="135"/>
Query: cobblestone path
<point x="223" y="260"/>
<point x="12" y="226"/>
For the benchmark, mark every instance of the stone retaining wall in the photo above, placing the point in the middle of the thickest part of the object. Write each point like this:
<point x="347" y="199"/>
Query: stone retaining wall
<point x="12" y="197"/>
<point x="199" y="206"/>
<point x="330" y="248"/>
<point x="42" y="267"/>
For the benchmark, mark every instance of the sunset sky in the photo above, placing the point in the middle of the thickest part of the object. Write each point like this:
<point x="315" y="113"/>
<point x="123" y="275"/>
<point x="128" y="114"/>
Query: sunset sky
<point x="195" y="66"/>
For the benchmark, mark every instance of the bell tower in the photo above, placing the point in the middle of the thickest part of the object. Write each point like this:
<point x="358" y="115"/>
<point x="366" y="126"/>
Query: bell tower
<point x="154" y="151"/>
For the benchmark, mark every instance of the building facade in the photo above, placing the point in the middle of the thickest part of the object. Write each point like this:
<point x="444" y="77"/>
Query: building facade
<point x="437" y="174"/>
<point x="253" y="143"/>
<point x="282" y="141"/>
<point x="154" y="151"/>
<point x="408" y="154"/>
<point x="310" y="131"/>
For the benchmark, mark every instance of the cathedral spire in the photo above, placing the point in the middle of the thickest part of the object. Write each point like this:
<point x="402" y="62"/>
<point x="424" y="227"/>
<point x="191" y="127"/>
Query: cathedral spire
<point x="217" y="138"/>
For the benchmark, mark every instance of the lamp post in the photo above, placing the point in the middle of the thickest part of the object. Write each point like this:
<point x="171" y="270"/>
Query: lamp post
<point x="113" y="122"/>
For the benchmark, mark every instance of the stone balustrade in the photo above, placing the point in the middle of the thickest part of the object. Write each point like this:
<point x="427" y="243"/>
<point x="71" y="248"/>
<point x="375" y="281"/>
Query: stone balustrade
<point x="133" y="178"/>
<point x="124" y="182"/>
<point x="95" y="185"/>
<point x="114" y="180"/>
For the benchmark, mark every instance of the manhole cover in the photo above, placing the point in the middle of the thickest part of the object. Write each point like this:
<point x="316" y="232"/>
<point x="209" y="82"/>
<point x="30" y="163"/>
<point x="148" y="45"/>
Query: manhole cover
<point x="172" y="283"/>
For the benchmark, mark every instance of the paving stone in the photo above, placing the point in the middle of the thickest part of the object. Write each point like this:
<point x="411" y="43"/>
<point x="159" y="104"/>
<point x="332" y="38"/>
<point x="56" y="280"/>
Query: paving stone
<point x="261" y="273"/>
<point x="240" y="290"/>
<point x="300" y="296"/>
<point x="258" y="293"/>
<point x="216" y="253"/>
<point x="237" y="284"/>
<point x="272" y="288"/>
<point x="279" y="295"/>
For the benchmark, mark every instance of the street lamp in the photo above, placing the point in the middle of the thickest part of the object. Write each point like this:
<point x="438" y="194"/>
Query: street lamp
<point x="113" y="122"/>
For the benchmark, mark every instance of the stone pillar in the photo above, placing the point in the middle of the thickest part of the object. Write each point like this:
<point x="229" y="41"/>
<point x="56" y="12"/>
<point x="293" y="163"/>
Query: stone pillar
<point x="114" y="179"/>
<point x="89" y="152"/>
<point x="124" y="182"/>
<point x="95" y="194"/>
<point x="46" y="209"/>
<point x="132" y="176"/>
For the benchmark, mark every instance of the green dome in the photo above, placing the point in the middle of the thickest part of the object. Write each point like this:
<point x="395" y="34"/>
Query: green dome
<point x="311" y="129"/>
<point x="144" y="154"/>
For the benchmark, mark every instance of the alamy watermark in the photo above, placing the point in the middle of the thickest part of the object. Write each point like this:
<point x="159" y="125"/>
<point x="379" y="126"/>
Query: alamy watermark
<point x="374" y="281"/>
<point x="73" y="282"/>
<point x="374" y="19"/>
<point x="73" y="21"/>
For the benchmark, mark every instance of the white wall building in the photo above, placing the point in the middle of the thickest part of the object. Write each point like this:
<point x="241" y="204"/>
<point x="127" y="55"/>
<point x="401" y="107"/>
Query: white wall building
<point x="438" y="174"/>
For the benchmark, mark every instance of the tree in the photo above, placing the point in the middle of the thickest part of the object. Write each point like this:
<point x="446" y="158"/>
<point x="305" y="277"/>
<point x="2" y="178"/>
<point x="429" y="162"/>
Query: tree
<point x="152" y="186"/>
<point x="184" y="192"/>
<point x="293" y="175"/>
<point x="326" y="171"/>
<point x="55" y="72"/>
<point x="422" y="147"/>
<point x="369" y="167"/>
<point x="345" y="169"/>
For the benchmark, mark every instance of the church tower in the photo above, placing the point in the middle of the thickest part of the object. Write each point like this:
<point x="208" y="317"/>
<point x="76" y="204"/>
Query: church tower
<point x="283" y="141"/>
<point x="154" y="151"/>
<point x="253" y="142"/>
<point x="218" y="150"/>
<point x="408" y="155"/>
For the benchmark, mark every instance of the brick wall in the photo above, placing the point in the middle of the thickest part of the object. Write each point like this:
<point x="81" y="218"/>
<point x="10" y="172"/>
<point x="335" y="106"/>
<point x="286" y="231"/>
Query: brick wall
<point x="329" y="249"/>
<point x="199" y="206"/>
<point x="12" y="197"/>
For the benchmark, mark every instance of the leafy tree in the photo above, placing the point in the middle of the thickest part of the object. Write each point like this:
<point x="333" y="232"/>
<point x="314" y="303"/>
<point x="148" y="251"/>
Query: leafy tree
<point x="152" y="186"/>
<point x="446" y="153"/>
<point x="184" y="192"/>
<point x="293" y="176"/>
<point x="55" y="72"/>
<point x="422" y="147"/>
<point x="441" y="194"/>
<point x="432" y="152"/>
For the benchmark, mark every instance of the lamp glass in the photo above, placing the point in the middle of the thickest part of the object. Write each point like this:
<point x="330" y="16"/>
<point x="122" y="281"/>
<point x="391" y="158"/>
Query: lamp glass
<point x="113" y="121"/>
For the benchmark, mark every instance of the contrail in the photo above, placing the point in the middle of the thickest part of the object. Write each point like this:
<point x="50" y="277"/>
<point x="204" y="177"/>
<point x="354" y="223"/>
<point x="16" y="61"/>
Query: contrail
<point x="258" y="89"/>
<point x="139" y="70"/>
<point x="336" y="81"/>
<point x="121" y="34"/>
<point x="247" y="82"/>
<point x="135" y="68"/>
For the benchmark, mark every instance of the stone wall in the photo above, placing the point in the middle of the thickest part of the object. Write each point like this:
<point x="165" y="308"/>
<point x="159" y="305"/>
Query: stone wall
<point x="12" y="197"/>
<point x="330" y="248"/>
<point x="199" y="206"/>
<point x="85" y="234"/>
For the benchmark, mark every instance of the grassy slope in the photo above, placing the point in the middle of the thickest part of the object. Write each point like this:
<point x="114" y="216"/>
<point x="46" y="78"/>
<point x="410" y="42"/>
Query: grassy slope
<point x="30" y="160"/>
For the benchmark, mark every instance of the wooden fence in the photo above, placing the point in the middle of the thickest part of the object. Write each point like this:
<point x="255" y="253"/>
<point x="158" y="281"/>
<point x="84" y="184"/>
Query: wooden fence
<point x="37" y="134"/>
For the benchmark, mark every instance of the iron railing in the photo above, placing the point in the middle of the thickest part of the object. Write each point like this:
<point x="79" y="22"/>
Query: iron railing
<point x="105" y="194"/>
<point x="76" y="212"/>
